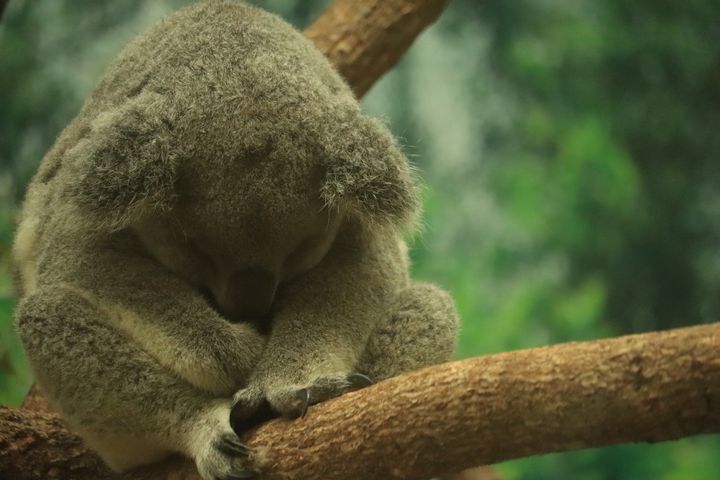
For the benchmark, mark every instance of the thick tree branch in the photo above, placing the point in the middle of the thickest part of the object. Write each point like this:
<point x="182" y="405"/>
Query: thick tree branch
<point x="365" y="39"/>
<point x="651" y="387"/>
<point x="641" y="388"/>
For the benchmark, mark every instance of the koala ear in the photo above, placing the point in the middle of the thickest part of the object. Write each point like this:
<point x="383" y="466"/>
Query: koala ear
<point x="368" y="174"/>
<point x="126" y="165"/>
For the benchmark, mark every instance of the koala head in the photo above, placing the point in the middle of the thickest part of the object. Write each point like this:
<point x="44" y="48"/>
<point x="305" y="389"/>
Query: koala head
<point x="234" y="151"/>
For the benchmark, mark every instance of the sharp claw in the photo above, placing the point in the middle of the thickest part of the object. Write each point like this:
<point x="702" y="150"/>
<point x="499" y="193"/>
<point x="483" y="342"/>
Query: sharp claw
<point x="358" y="380"/>
<point x="303" y="395"/>
<point x="241" y="475"/>
<point x="232" y="447"/>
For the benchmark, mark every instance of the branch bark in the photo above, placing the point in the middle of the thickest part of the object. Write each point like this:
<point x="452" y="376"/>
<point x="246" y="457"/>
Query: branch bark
<point x="641" y="388"/>
<point x="365" y="39"/>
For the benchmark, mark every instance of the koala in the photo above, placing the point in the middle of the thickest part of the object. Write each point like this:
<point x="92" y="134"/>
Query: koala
<point x="215" y="238"/>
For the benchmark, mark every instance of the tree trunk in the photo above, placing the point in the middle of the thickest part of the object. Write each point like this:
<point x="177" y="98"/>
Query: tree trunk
<point x="641" y="388"/>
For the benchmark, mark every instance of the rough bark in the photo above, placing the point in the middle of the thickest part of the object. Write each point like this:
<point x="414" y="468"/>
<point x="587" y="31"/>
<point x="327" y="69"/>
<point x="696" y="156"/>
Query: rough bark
<point x="365" y="39"/>
<point x="37" y="445"/>
<point x="641" y="388"/>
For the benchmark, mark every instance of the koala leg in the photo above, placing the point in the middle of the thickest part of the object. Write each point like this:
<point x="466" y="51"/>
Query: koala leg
<point x="126" y="405"/>
<point x="166" y="317"/>
<point x="421" y="330"/>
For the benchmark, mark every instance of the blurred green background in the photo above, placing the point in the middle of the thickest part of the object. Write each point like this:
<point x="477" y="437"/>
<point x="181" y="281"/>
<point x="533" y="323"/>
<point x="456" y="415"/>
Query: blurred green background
<point x="569" y="147"/>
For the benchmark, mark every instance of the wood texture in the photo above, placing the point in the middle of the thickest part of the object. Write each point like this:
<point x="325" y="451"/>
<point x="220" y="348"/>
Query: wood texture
<point x="364" y="39"/>
<point x="642" y="388"/>
<point x="37" y="445"/>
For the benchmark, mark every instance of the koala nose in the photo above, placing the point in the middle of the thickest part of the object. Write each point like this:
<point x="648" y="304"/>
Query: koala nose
<point x="250" y="293"/>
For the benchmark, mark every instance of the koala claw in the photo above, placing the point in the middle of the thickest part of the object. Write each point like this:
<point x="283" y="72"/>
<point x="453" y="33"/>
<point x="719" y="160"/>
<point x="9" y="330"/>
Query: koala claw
<point x="358" y="380"/>
<point x="252" y="407"/>
<point x="294" y="403"/>
<point x="232" y="448"/>
<point x="242" y="475"/>
<point x="303" y="398"/>
<point x="225" y="458"/>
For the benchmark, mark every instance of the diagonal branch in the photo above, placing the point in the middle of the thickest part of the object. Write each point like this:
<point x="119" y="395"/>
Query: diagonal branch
<point x="365" y="39"/>
<point x="641" y="388"/>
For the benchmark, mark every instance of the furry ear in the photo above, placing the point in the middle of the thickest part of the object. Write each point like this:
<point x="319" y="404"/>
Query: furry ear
<point x="126" y="165"/>
<point x="368" y="174"/>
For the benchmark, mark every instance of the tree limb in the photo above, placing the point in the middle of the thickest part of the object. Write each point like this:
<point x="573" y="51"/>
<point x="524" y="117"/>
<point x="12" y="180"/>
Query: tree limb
<point x="641" y="388"/>
<point x="365" y="39"/>
<point x="650" y="387"/>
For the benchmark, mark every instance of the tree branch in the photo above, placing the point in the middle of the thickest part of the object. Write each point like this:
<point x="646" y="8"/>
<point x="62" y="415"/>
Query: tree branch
<point x="641" y="388"/>
<point x="365" y="39"/>
<point x="651" y="387"/>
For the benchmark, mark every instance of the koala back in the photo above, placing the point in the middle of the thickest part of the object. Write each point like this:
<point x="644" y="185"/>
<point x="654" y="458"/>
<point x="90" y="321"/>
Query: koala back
<point x="220" y="101"/>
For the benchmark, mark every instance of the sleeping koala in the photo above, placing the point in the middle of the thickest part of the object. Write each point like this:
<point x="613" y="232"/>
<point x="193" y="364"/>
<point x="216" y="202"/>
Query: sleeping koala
<point x="218" y="234"/>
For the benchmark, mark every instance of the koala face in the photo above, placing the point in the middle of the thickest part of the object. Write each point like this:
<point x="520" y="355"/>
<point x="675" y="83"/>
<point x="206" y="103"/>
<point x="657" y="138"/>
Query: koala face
<point x="236" y="232"/>
<point x="235" y="174"/>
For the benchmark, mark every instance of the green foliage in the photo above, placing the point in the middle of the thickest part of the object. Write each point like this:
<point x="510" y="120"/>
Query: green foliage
<point x="569" y="149"/>
<point x="14" y="370"/>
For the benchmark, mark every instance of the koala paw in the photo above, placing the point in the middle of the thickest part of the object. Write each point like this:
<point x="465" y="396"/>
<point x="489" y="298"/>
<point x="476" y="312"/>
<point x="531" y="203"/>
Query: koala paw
<point x="227" y="459"/>
<point x="219" y="454"/>
<point x="252" y="406"/>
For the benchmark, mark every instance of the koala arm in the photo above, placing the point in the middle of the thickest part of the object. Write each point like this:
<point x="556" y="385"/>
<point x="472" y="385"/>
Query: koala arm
<point x="324" y="320"/>
<point x="168" y="318"/>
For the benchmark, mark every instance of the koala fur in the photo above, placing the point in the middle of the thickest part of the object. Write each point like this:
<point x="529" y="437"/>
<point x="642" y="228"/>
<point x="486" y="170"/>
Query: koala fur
<point x="219" y="229"/>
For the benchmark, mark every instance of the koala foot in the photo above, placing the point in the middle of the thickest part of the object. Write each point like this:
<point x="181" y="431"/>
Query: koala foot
<point x="324" y="389"/>
<point x="252" y="406"/>
<point x="218" y="452"/>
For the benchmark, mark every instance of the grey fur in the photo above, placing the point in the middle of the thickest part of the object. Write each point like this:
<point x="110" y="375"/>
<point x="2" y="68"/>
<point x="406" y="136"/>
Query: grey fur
<point x="219" y="224"/>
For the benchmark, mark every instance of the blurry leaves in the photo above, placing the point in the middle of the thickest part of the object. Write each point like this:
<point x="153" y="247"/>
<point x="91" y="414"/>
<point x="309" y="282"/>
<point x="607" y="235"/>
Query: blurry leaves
<point x="587" y="204"/>
<point x="14" y="370"/>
